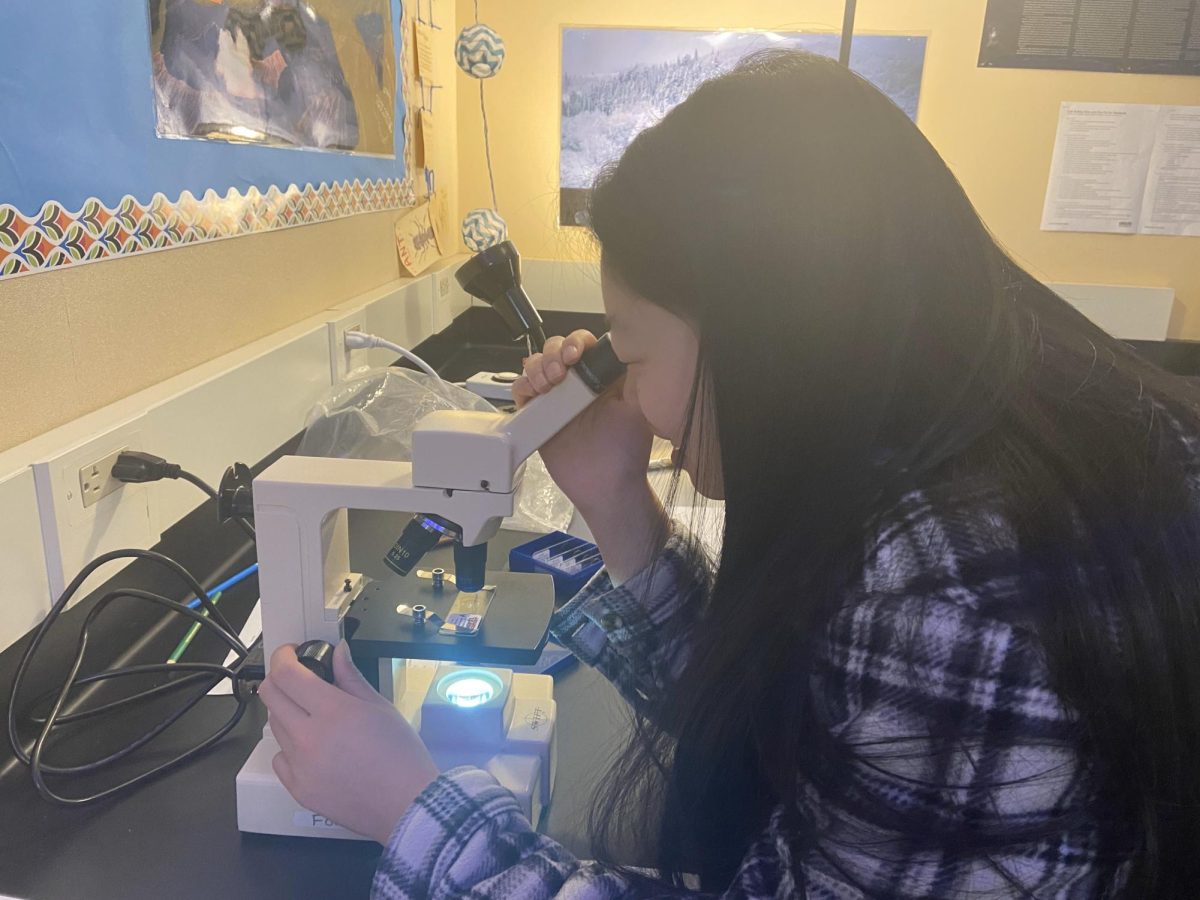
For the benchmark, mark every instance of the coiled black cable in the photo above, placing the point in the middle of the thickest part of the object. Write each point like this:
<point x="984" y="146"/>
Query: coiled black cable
<point x="207" y="674"/>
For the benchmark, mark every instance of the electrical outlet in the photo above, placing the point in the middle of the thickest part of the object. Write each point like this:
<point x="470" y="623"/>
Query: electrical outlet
<point x="350" y="357"/>
<point x="341" y="360"/>
<point x="79" y="525"/>
<point x="448" y="298"/>
<point x="96" y="480"/>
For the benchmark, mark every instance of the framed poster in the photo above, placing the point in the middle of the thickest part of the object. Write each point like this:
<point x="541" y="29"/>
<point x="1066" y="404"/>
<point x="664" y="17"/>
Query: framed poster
<point x="1141" y="36"/>
<point x="618" y="81"/>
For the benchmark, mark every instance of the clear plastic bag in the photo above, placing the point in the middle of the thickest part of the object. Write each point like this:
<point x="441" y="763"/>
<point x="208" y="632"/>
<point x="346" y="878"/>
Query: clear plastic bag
<point x="372" y="415"/>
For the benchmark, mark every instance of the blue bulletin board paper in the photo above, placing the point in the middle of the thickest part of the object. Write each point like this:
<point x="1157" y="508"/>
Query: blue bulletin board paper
<point x="85" y="177"/>
<point x="77" y="117"/>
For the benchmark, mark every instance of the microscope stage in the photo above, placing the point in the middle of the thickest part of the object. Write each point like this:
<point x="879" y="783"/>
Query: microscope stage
<point x="513" y="631"/>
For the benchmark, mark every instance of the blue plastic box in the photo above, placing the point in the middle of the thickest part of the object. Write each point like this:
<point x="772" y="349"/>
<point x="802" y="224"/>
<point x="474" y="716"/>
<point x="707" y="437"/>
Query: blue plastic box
<point x="566" y="584"/>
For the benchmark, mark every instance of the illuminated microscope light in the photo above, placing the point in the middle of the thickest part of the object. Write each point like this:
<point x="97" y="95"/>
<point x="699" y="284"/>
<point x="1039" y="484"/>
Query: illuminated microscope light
<point x="469" y="687"/>
<point x="494" y="719"/>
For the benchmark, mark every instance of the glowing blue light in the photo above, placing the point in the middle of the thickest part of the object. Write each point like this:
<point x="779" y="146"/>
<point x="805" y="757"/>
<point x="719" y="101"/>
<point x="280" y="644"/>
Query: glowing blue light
<point x="469" y="688"/>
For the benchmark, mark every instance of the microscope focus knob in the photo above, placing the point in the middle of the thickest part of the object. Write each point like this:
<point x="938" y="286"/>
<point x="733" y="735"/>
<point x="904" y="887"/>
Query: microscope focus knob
<point x="317" y="657"/>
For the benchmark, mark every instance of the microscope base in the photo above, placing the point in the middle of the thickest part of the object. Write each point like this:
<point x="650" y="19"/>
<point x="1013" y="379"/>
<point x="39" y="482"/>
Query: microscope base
<point x="523" y="760"/>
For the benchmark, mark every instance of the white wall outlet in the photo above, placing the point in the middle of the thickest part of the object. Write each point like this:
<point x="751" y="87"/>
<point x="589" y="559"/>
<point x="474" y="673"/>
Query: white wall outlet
<point x="404" y="315"/>
<point x="78" y="526"/>
<point x="342" y="361"/>
<point x="96" y="479"/>
<point x="449" y="299"/>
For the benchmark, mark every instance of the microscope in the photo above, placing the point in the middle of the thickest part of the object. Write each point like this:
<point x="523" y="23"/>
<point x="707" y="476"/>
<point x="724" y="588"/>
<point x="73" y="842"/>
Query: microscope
<point x="466" y="466"/>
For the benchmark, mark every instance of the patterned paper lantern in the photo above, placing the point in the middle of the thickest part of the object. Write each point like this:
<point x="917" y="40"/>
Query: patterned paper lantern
<point x="479" y="51"/>
<point x="483" y="228"/>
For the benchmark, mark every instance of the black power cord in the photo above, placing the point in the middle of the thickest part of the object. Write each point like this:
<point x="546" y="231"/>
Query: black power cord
<point x="247" y="670"/>
<point x="137" y="467"/>
<point x="33" y="756"/>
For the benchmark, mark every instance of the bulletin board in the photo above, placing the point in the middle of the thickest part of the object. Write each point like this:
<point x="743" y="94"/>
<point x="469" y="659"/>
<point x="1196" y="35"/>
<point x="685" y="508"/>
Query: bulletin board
<point x="139" y="125"/>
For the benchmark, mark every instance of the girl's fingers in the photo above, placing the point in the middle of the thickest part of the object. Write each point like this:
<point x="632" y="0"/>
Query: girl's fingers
<point x="574" y="345"/>
<point x="522" y="391"/>
<point x="535" y="372"/>
<point x="546" y="369"/>
<point x="285" y="713"/>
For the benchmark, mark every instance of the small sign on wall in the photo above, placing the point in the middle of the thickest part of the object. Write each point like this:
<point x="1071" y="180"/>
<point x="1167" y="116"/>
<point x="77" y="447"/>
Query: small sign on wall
<point x="417" y="240"/>
<point x="1125" y="168"/>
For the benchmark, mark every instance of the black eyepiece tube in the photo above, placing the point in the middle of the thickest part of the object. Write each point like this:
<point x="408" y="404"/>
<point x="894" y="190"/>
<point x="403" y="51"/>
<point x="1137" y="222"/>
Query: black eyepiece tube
<point x="599" y="367"/>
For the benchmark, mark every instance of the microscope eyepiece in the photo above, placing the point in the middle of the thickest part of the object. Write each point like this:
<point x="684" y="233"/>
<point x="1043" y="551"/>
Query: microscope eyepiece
<point x="599" y="367"/>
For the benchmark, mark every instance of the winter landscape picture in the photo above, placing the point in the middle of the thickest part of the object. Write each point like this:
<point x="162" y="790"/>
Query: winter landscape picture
<point x="618" y="81"/>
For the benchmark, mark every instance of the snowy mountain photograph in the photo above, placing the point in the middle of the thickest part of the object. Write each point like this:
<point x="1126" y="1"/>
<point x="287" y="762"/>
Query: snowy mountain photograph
<point x="618" y="81"/>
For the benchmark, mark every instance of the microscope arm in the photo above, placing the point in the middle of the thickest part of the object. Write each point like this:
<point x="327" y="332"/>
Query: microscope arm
<point x="300" y="508"/>
<point x="479" y="451"/>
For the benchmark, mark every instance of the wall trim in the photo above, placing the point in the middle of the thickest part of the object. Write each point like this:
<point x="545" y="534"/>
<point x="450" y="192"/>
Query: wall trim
<point x="55" y="238"/>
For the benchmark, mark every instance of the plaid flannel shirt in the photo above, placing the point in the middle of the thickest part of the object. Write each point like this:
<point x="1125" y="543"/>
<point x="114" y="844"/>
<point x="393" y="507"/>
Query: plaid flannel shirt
<point x="945" y="581"/>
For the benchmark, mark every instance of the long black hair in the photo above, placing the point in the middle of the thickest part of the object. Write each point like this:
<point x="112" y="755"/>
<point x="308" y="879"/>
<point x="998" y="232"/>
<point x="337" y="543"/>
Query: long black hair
<point x="862" y="334"/>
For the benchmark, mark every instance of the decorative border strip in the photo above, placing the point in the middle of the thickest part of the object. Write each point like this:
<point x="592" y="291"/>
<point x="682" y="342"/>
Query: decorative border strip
<point x="56" y="238"/>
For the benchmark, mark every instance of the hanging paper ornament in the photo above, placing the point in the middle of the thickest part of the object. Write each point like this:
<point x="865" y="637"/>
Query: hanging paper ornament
<point x="479" y="51"/>
<point x="483" y="228"/>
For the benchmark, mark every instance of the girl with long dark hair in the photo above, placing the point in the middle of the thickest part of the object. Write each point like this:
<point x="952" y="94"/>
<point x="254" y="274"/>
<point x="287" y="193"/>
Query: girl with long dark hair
<point x="951" y="643"/>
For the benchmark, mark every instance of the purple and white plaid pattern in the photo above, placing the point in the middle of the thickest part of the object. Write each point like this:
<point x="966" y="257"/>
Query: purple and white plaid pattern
<point x="936" y="634"/>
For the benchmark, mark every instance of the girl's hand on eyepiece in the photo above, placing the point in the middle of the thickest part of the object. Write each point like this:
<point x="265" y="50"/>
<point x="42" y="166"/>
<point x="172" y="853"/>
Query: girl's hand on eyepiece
<point x="546" y="369"/>
<point x="599" y="460"/>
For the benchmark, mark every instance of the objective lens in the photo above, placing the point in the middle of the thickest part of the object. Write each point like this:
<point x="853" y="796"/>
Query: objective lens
<point x="420" y="536"/>
<point x="470" y="565"/>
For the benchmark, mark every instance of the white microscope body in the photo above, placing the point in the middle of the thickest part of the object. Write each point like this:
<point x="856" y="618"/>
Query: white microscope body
<point x="466" y="467"/>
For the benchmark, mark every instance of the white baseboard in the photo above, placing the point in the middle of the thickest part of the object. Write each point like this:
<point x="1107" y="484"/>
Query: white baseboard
<point x="1127" y="312"/>
<point x="26" y="591"/>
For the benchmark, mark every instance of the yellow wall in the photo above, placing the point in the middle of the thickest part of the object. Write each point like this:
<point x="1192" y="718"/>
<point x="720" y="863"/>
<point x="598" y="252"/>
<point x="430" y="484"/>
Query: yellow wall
<point x="994" y="126"/>
<point x="76" y="340"/>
